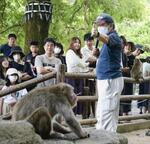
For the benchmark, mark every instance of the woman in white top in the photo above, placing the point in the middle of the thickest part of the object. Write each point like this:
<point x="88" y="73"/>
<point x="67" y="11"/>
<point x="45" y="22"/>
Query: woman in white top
<point x="76" y="64"/>
<point x="74" y="60"/>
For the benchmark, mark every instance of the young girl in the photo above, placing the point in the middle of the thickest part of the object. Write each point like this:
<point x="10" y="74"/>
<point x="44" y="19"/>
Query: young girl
<point x="17" y="62"/>
<point x="4" y="64"/>
<point x="12" y="78"/>
<point x="59" y="52"/>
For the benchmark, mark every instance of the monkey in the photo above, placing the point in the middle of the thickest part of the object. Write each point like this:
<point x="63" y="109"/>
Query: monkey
<point x="40" y="106"/>
<point x="136" y="71"/>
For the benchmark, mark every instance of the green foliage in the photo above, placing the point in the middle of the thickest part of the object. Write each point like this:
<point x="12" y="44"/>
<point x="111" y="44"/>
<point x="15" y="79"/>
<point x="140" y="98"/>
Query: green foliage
<point x="76" y="19"/>
<point x="11" y="19"/>
<point x="121" y="9"/>
<point x="137" y="31"/>
<point x="70" y="20"/>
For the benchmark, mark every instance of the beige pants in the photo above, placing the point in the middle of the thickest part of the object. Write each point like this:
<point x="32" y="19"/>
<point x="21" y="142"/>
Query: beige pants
<point x="107" y="111"/>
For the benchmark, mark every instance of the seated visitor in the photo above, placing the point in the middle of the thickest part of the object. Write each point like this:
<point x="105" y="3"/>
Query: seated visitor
<point x="12" y="78"/>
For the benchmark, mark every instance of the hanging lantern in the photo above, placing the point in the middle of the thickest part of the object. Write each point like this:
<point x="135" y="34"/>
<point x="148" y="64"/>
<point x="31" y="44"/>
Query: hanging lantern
<point x="43" y="9"/>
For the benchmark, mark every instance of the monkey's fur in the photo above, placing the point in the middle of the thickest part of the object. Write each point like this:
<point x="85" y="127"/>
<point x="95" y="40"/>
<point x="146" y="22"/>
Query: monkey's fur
<point x="40" y="106"/>
<point x="136" y="71"/>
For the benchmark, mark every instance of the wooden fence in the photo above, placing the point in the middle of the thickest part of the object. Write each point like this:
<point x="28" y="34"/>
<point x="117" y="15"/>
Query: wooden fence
<point x="121" y="127"/>
<point x="60" y="77"/>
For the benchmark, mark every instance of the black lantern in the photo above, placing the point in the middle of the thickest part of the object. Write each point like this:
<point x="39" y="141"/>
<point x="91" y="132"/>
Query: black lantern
<point x="43" y="9"/>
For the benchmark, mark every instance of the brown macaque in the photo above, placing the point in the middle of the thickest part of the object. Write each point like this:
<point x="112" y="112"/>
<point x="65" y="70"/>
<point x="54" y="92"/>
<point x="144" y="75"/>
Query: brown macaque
<point x="136" y="71"/>
<point x="40" y="107"/>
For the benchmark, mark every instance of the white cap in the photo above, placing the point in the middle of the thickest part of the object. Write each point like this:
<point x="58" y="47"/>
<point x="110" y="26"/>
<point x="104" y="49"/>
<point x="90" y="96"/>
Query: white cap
<point x="11" y="71"/>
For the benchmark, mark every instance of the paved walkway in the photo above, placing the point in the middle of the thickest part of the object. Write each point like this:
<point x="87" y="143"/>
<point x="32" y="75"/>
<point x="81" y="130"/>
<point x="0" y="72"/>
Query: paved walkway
<point x="137" y="137"/>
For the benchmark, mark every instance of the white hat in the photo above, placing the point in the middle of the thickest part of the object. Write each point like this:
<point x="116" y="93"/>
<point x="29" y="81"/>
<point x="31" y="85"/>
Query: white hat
<point x="11" y="71"/>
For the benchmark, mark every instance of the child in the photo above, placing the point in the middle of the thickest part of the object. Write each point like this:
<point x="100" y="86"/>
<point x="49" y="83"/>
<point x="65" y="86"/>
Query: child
<point x="4" y="64"/>
<point x="12" y="78"/>
<point x="59" y="51"/>
<point x="17" y="62"/>
<point x="30" y="57"/>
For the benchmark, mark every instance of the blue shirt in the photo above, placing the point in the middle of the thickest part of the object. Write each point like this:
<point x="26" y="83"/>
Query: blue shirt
<point x="5" y="49"/>
<point x="109" y="62"/>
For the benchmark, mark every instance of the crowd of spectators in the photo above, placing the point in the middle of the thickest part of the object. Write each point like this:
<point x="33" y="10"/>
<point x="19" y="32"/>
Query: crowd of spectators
<point x="17" y="67"/>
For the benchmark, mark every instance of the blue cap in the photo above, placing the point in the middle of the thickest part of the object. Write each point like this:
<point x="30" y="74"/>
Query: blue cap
<point x="105" y="17"/>
<point x="140" y="47"/>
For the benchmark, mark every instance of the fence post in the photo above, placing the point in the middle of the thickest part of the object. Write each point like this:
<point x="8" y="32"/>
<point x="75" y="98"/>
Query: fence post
<point x="60" y="76"/>
<point x="85" y="104"/>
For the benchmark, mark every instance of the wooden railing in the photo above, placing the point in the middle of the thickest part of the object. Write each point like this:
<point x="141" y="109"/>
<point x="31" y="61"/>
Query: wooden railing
<point x="27" y="83"/>
<point x="60" y="77"/>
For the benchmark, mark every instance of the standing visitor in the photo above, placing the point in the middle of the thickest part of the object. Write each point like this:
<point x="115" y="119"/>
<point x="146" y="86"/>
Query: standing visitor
<point x="17" y="62"/>
<point x="89" y="52"/>
<point x="12" y="78"/>
<point x="76" y="64"/>
<point x="127" y="60"/>
<point x="30" y="57"/>
<point x="6" y="48"/>
<point x="59" y="52"/>
<point x="108" y="72"/>
<point x="47" y="62"/>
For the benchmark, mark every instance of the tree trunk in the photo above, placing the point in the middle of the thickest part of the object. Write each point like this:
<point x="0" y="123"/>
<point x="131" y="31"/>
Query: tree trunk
<point x="37" y="19"/>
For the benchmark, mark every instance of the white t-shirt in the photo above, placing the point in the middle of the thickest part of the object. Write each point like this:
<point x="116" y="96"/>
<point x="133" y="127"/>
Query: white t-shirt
<point x="44" y="61"/>
<point x="146" y="69"/>
<point x="87" y="53"/>
<point x="75" y="63"/>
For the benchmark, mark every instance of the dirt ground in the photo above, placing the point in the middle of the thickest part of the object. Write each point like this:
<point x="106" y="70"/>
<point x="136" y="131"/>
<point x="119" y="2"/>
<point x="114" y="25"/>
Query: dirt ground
<point x="137" y="137"/>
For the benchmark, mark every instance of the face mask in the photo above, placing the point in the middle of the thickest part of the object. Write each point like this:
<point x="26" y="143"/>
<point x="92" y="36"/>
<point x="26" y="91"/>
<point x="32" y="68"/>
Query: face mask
<point x="57" y="50"/>
<point x="12" y="78"/>
<point x="16" y="57"/>
<point x="103" y="30"/>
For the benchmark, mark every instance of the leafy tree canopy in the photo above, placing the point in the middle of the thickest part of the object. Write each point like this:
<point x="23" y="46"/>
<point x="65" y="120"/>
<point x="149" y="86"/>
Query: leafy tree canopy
<point x="74" y="18"/>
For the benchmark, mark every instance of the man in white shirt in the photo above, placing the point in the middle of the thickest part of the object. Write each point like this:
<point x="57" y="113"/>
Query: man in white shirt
<point x="89" y="53"/>
<point x="47" y="62"/>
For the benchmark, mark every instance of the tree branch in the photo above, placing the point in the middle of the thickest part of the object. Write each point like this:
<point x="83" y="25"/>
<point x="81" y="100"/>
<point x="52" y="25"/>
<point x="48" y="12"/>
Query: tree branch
<point x="13" y="26"/>
<point x="85" y="6"/>
<point x="74" y="28"/>
<point x="3" y="7"/>
<point x="77" y="10"/>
